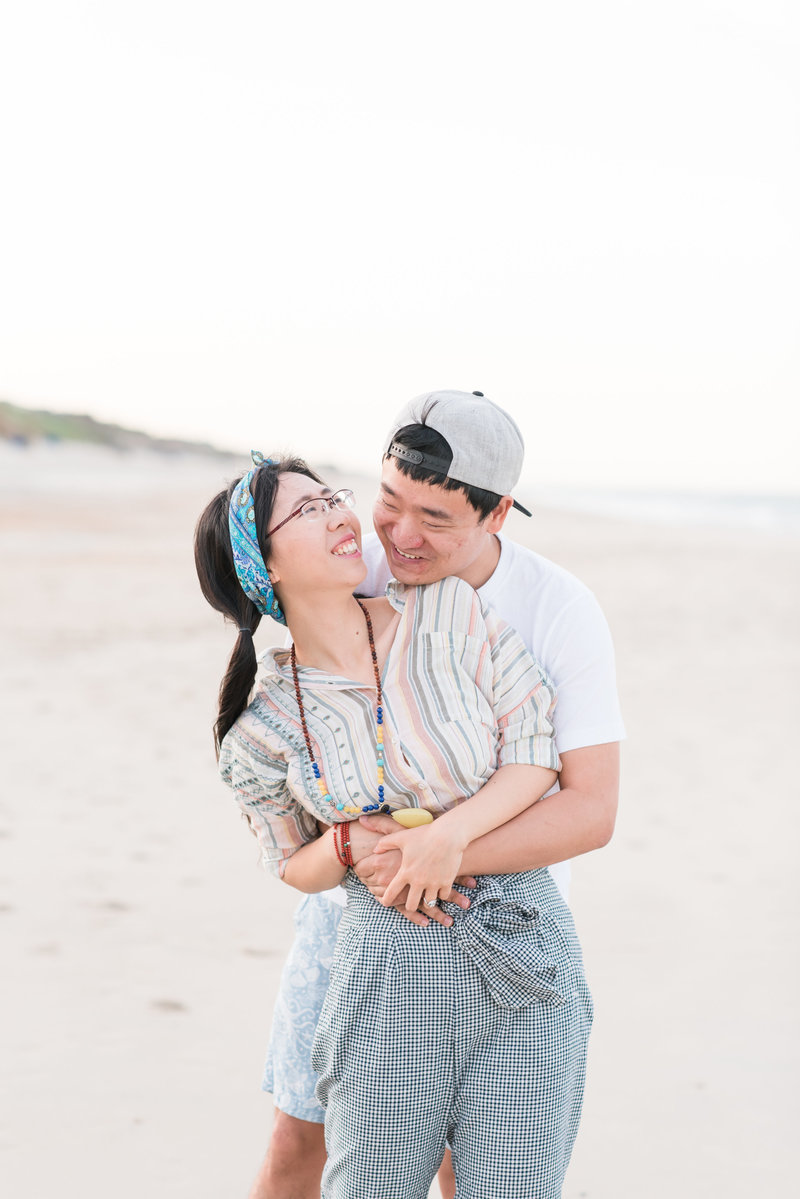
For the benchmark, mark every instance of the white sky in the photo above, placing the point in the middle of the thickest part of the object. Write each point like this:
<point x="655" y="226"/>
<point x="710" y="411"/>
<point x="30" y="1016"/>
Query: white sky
<point x="275" y="223"/>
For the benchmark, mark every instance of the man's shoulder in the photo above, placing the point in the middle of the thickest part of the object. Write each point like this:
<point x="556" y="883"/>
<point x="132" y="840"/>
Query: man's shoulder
<point x="371" y="549"/>
<point x="378" y="573"/>
<point x="523" y="569"/>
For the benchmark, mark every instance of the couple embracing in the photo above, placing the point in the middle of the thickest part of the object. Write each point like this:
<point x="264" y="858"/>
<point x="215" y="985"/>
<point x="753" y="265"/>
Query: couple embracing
<point x="441" y="735"/>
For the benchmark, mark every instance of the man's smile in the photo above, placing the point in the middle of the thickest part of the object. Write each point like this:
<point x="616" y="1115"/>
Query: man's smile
<point x="407" y="556"/>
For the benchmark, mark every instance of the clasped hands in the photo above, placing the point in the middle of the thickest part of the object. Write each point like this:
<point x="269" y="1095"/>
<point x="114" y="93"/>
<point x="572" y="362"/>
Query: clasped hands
<point x="403" y="867"/>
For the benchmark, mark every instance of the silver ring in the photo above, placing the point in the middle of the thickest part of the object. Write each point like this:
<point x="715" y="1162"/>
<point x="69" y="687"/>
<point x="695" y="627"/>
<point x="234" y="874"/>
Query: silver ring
<point x="430" y="903"/>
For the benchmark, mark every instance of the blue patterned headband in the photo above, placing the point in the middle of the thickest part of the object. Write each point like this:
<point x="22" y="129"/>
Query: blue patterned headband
<point x="251" y="570"/>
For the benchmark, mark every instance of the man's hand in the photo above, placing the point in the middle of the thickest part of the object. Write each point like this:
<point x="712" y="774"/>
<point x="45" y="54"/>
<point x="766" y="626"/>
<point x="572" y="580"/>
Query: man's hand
<point x="365" y="835"/>
<point x="376" y="871"/>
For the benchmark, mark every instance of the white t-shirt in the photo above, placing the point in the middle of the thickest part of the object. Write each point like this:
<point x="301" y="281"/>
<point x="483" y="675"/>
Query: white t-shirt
<point x="563" y="626"/>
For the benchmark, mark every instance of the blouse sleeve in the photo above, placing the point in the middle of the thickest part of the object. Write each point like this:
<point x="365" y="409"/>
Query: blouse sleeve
<point x="257" y="776"/>
<point x="524" y="699"/>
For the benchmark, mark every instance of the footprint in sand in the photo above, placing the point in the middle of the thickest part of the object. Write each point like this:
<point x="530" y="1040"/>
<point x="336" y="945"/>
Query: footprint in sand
<point x="169" y="1005"/>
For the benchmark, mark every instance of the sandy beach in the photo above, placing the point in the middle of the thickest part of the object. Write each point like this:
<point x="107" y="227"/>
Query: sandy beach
<point x="143" y="943"/>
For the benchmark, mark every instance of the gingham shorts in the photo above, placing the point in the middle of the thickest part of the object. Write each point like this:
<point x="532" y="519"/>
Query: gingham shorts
<point x="473" y="1038"/>
<point x="304" y="985"/>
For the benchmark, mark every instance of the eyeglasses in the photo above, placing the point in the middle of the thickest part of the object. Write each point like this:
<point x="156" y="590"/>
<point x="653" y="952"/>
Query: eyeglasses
<point x="315" y="509"/>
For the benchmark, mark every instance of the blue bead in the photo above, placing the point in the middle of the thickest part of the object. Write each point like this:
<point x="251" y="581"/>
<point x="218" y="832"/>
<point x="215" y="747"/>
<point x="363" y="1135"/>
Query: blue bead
<point x="315" y="768"/>
<point x="340" y="807"/>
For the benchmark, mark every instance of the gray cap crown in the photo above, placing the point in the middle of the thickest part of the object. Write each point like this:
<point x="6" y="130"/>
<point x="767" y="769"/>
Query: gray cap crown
<point x="487" y="445"/>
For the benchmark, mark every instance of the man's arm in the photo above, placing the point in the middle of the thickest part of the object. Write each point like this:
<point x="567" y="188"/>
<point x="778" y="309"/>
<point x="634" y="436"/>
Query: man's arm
<point x="432" y="853"/>
<point x="575" y="820"/>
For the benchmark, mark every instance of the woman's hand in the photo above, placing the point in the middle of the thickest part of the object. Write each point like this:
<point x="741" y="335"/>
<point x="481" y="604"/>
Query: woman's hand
<point x="431" y="861"/>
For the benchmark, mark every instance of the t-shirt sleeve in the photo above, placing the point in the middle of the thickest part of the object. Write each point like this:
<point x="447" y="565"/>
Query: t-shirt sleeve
<point x="580" y="657"/>
<point x="378" y="572"/>
<point x="258" y="779"/>
<point x="524" y="700"/>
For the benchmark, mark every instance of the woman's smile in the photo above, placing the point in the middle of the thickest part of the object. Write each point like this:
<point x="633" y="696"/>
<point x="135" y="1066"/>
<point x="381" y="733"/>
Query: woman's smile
<point x="348" y="547"/>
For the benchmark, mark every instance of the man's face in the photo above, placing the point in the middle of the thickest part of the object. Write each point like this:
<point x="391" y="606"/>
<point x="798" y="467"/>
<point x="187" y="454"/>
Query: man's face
<point x="429" y="533"/>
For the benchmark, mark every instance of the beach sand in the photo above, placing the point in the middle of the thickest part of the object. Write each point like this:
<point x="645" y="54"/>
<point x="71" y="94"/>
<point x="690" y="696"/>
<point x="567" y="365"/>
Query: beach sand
<point x="143" y="943"/>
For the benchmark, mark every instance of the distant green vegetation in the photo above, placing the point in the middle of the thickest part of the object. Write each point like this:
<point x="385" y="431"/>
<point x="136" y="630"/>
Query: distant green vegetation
<point x="36" y="424"/>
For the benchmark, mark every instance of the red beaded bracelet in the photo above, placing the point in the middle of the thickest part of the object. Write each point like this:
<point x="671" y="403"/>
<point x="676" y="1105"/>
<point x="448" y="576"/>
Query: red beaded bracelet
<point x="347" y="851"/>
<point x="341" y="843"/>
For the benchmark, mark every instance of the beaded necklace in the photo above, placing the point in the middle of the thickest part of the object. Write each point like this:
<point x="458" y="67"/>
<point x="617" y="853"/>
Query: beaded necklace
<point x="380" y="806"/>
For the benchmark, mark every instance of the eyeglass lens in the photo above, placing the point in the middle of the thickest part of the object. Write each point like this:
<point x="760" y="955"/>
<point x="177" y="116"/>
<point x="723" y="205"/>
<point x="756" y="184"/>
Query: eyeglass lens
<point x="316" y="508"/>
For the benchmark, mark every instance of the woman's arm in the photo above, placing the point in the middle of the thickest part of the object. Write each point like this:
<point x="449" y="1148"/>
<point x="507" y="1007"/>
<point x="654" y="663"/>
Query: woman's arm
<point x="315" y="866"/>
<point x="432" y="854"/>
<point x="287" y="834"/>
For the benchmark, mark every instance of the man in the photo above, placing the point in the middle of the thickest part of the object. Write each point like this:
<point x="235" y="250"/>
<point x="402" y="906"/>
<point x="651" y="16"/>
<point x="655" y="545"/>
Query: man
<point x="450" y="464"/>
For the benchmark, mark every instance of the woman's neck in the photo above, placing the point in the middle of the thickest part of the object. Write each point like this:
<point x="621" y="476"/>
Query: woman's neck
<point x="332" y="636"/>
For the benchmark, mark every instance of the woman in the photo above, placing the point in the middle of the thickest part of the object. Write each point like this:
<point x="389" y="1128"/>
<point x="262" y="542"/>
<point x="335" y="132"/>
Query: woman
<point x="417" y="702"/>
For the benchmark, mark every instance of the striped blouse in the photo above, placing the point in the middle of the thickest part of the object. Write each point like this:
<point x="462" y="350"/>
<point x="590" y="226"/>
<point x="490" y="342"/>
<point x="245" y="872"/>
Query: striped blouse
<point x="461" y="697"/>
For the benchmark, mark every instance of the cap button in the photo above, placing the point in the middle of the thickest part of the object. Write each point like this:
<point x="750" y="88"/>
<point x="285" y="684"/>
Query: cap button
<point x="479" y="393"/>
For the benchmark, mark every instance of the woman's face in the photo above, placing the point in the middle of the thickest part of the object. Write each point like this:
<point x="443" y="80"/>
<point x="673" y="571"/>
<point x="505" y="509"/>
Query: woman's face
<point x="323" y="553"/>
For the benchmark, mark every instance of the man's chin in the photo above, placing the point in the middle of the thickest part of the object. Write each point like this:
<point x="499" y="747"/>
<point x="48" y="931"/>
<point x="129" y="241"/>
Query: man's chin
<point x="414" y="574"/>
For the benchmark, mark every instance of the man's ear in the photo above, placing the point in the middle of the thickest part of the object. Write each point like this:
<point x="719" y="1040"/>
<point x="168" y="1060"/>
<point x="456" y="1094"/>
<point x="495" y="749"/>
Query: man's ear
<point x="496" y="518"/>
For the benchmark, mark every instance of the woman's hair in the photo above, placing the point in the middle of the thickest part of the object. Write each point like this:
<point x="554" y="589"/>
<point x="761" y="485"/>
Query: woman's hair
<point x="213" y="559"/>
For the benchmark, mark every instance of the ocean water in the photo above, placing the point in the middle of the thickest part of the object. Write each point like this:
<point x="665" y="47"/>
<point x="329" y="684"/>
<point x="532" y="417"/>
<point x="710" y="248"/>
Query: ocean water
<point x="772" y="514"/>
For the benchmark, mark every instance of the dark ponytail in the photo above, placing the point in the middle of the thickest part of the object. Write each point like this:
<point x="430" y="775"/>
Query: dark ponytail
<point x="213" y="561"/>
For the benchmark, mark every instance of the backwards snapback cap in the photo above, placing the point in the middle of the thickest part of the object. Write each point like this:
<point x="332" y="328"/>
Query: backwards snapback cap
<point x="486" y="443"/>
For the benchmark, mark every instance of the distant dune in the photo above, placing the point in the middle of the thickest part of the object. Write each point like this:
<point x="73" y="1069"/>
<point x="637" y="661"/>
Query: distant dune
<point x="25" y="425"/>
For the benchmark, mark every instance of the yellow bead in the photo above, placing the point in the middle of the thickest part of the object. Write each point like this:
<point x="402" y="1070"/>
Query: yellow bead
<point x="412" y="817"/>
